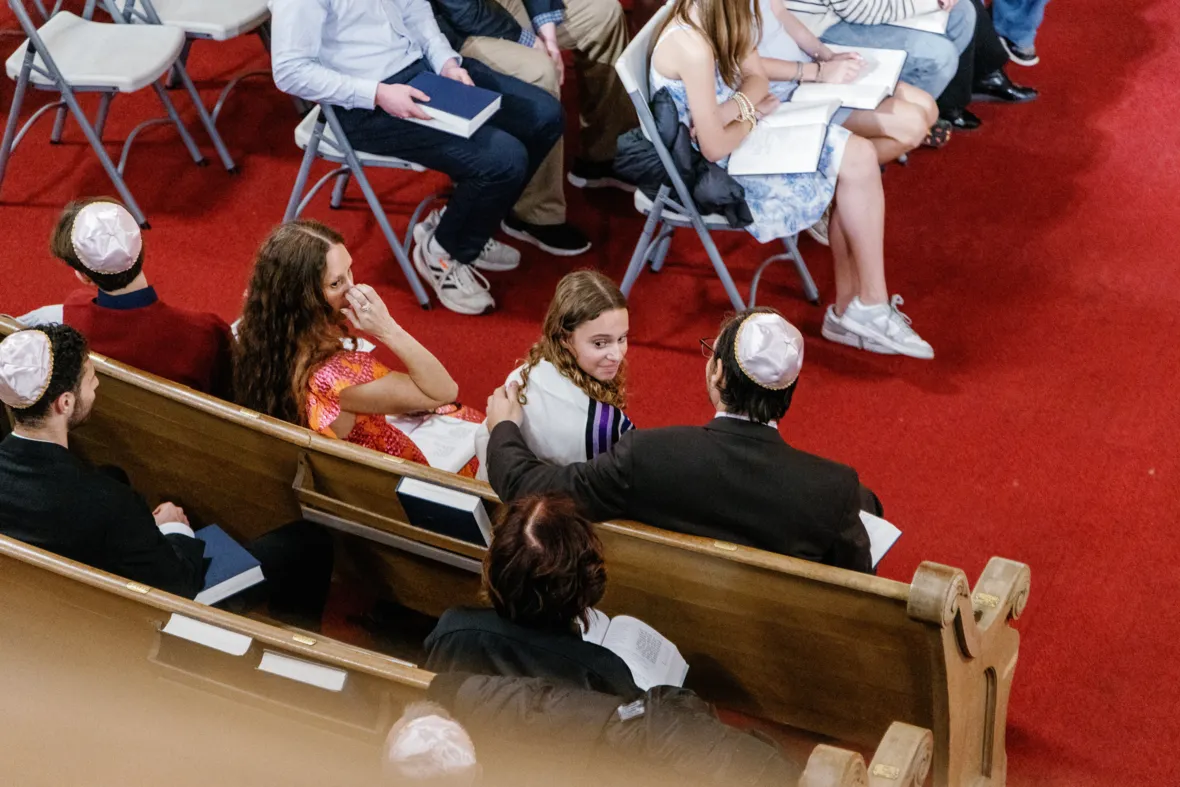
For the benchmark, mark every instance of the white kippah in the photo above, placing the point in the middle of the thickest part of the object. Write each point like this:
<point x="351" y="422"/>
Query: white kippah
<point x="106" y="238"/>
<point x="26" y="367"/>
<point x="769" y="350"/>
<point x="431" y="746"/>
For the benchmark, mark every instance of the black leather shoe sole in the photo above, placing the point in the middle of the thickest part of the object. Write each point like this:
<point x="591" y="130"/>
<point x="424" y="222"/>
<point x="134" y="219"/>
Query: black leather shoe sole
<point x="1007" y="97"/>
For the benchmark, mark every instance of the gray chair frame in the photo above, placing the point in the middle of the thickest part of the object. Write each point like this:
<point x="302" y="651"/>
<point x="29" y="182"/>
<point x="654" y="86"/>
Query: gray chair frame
<point x="669" y="213"/>
<point x="350" y="166"/>
<point x="93" y="133"/>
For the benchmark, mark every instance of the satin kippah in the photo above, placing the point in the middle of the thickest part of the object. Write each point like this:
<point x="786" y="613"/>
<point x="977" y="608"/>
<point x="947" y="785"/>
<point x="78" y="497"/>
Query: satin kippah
<point x="769" y="350"/>
<point x="26" y="367"/>
<point x="106" y="238"/>
<point x="432" y="746"/>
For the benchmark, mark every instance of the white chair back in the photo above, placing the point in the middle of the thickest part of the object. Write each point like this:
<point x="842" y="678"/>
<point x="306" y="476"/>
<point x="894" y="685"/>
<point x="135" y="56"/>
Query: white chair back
<point x="635" y="62"/>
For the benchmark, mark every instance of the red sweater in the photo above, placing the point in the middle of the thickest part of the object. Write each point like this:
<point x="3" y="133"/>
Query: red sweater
<point x="190" y="348"/>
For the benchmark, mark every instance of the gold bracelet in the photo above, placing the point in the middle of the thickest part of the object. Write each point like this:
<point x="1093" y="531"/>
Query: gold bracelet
<point x="745" y="107"/>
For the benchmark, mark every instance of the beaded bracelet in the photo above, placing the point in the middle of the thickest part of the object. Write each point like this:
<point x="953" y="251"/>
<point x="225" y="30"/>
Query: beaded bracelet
<point x="746" y="113"/>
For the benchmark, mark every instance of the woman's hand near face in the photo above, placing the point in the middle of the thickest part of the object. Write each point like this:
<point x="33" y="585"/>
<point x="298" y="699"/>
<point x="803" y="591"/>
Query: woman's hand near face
<point x="367" y="312"/>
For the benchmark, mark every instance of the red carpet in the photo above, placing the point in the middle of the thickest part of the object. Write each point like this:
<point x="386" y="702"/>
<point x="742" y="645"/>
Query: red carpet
<point x="1037" y="255"/>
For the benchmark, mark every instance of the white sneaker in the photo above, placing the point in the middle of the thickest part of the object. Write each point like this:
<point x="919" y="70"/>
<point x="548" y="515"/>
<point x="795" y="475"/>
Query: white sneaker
<point x="819" y="230"/>
<point x="833" y="331"/>
<point x="885" y="325"/>
<point x="460" y="288"/>
<point x="495" y="256"/>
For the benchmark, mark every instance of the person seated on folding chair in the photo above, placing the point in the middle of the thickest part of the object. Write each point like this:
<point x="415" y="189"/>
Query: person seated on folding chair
<point x="792" y="55"/>
<point x="289" y="362"/>
<point x="706" y="57"/>
<point x="733" y="479"/>
<point x="127" y="321"/>
<point x="358" y="55"/>
<point x="525" y="38"/>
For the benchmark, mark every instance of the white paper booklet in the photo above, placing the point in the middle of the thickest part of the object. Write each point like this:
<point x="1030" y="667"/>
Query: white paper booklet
<point x="653" y="659"/>
<point x="801" y="113"/>
<point x="882" y="535"/>
<point x="875" y="82"/>
<point x="447" y="442"/>
<point x="933" y="22"/>
<point x="774" y="150"/>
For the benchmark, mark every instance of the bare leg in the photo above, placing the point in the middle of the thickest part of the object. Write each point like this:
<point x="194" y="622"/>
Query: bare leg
<point x="860" y="213"/>
<point x="895" y="127"/>
<point x="921" y="99"/>
<point x="847" y="284"/>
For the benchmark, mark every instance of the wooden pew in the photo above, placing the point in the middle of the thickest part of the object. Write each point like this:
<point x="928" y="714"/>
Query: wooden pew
<point x="87" y="666"/>
<point x="822" y="649"/>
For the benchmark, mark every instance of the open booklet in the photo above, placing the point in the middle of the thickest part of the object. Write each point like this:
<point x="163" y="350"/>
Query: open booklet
<point x="653" y="659"/>
<point x="448" y="443"/>
<point x="882" y="535"/>
<point x="932" y="22"/>
<point x="875" y="82"/>
<point x="789" y="140"/>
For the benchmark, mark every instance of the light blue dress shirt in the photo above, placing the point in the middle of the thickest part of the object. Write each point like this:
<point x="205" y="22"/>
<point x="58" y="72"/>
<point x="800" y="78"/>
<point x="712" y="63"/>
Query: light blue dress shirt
<point x="338" y="51"/>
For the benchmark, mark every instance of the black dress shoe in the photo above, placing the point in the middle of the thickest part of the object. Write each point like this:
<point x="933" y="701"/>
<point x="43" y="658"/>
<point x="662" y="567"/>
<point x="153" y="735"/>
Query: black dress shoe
<point x="996" y="86"/>
<point x="961" y="119"/>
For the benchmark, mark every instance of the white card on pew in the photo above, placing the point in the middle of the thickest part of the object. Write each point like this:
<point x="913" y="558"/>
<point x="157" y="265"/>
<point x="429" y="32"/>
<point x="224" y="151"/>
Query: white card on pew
<point x="882" y="535"/>
<point x="933" y="22"/>
<point x="448" y="443"/>
<point x="206" y="634"/>
<point x="307" y="672"/>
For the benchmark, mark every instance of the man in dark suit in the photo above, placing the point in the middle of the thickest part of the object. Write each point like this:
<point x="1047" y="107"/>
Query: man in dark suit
<point x="734" y="479"/>
<point x="51" y="499"/>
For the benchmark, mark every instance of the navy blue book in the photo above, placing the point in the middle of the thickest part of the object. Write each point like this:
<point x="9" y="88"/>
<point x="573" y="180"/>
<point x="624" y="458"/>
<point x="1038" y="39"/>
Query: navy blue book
<point x="454" y="107"/>
<point x="232" y="569"/>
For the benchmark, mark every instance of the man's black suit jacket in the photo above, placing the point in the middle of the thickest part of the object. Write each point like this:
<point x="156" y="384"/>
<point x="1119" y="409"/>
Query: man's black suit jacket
<point x="731" y="480"/>
<point x="52" y="500"/>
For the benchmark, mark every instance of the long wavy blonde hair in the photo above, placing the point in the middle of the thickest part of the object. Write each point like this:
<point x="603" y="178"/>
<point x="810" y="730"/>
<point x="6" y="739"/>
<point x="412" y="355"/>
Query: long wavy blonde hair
<point x="732" y="27"/>
<point x="581" y="296"/>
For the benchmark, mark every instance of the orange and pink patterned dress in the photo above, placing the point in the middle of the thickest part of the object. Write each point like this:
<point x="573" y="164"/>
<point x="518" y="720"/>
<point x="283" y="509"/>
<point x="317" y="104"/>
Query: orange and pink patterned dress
<point x="346" y="369"/>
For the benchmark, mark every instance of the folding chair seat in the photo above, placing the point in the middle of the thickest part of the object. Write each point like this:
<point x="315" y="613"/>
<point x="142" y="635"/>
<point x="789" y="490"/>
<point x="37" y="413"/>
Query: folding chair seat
<point x="320" y="135"/>
<point x="673" y="207"/>
<point x="70" y="54"/>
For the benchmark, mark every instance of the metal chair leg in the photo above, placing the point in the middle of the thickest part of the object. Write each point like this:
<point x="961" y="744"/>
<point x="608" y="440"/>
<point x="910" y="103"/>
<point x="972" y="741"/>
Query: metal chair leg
<point x="639" y="256"/>
<point x="378" y="211"/>
<point x="338" y="190"/>
<point x="185" y="137"/>
<point x="59" y="126"/>
<point x="117" y="179"/>
<point x="206" y="121"/>
<point x="13" y="114"/>
<point x="810" y="291"/>
<point x="718" y="264"/>
<point x="309" y="156"/>
<point x="663" y="243"/>
<point x="104" y="109"/>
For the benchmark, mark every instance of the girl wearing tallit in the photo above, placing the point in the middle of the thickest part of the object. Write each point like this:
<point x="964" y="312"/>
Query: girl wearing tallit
<point x="573" y="383"/>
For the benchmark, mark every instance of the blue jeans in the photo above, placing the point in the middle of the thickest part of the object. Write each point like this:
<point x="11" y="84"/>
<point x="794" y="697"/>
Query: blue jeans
<point x="933" y="59"/>
<point x="1018" y="20"/>
<point x="489" y="170"/>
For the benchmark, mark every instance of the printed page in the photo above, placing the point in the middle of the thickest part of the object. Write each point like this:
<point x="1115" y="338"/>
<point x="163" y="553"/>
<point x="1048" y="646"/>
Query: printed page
<point x="851" y="95"/>
<point x="599" y="623"/>
<point x="653" y="659"/>
<point x="776" y="151"/>
<point x="882" y="535"/>
<point x="881" y="66"/>
<point x="801" y="114"/>
<point x="933" y="22"/>
<point x="447" y="442"/>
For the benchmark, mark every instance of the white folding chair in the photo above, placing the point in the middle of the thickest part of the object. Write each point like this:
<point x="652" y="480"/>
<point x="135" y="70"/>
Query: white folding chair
<point x="665" y="214"/>
<point x="320" y="135"/>
<point x="70" y="55"/>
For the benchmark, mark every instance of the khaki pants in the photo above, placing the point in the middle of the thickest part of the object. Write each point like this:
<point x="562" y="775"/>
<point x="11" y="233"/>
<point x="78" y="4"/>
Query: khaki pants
<point x="597" y="32"/>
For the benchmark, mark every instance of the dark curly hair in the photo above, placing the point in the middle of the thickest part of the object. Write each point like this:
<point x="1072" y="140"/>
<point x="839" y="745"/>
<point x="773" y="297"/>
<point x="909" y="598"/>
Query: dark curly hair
<point x="287" y="326"/>
<point x="70" y="352"/>
<point x="61" y="245"/>
<point x="544" y="568"/>
<point x="739" y="393"/>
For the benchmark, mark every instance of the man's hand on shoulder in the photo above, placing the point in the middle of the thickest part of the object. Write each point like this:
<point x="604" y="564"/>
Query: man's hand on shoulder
<point x="504" y="405"/>
<point x="399" y="101"/>
<point x="452" y="70"/>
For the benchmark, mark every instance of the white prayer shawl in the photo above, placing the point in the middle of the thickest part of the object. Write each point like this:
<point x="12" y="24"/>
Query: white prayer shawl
<point x="562" y="425"/>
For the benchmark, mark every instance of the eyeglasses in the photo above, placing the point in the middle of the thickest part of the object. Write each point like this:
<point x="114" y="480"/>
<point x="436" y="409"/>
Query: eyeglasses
<point x="707" y="349"/>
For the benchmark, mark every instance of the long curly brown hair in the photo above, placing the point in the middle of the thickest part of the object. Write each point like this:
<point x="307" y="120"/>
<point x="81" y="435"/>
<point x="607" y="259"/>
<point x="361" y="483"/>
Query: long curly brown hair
<point x="287" y="326"/>
<point x="581" y="296"/>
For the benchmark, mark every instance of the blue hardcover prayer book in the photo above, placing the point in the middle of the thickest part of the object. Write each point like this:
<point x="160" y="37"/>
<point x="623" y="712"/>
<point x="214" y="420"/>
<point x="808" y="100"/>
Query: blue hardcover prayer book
<point x="232" y="569"/>
<point x="454" y="107"/>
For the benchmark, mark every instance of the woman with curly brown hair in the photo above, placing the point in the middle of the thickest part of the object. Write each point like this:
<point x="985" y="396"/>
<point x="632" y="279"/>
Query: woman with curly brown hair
<point x="573" y="383"/>
<point x="289" y="361"/>
<point x="542" y="575"/>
